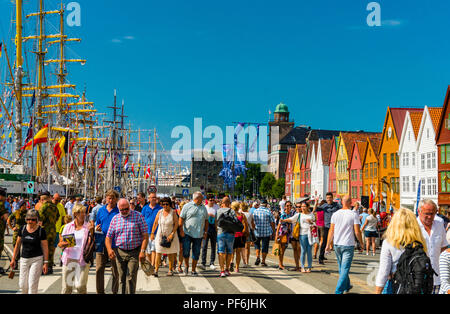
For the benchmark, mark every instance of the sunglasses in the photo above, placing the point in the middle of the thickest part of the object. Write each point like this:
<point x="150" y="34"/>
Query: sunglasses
<point x="298" y="207"/>
<point x="31" y="219"/>
<point x="124" y="209"/>
<point x="165" y="204"/>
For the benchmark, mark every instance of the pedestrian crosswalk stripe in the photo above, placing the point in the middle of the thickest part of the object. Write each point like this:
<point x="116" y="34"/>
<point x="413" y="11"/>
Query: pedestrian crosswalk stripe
<point x="292" y="283"/>
<point x="45" y="282"/>
<point x="245" y="284"/>
<point x="146" y="283"/>
<point x="197" y="284"/>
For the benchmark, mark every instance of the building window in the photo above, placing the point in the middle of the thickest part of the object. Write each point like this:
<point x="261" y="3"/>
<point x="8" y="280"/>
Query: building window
<point x="407" y="159"/>
<point x="375" y="168"/>
<point x="434" y="183"/>
<point x="397" y="162"/>
<point x="366" y="170"/>
<point x="413" y="184"/>
<point x="422" y="161"/>
<point x="429" y="186"/>
<point x="428" y="160"/>
<point x="423" y="186"/>
<point x="371" y="169"/>
<point x="433" y="160"/>
<point x="392" y="161"/>
<point x="385" y="160"/>
<point x="445" y="182"/>
<point x="413" y="159"/>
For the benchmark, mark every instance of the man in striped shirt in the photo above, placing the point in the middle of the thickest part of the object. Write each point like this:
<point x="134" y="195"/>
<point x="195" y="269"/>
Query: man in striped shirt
<point x="128" y="231"/>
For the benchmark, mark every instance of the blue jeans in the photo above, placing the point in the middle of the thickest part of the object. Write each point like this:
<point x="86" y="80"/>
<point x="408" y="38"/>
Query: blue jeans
<point x="196" y="246"/>
<point x="306" y="250"/>
<point x="344" y="256"/>
<point x="225" y="243"/>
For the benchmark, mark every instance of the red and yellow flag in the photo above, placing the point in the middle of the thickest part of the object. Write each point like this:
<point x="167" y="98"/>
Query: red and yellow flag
<point x="41" y="137"/>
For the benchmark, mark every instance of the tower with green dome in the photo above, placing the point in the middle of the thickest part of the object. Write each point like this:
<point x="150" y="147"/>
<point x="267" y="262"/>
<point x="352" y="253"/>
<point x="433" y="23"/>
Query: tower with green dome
<point x="279" y="127"/>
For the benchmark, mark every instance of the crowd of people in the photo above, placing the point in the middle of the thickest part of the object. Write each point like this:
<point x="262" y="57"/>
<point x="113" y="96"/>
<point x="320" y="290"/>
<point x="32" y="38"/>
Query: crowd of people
<point x="150" y="231"/>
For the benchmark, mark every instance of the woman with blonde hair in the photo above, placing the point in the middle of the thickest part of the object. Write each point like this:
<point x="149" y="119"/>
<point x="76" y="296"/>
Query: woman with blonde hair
<point x="75" y="269"/>
<point x="402" y="231"/>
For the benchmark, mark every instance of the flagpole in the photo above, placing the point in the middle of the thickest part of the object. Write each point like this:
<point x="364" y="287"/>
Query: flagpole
<point x="67" y="163"/>
<point x="85" y="172"/>
<point x="49" y="155"/>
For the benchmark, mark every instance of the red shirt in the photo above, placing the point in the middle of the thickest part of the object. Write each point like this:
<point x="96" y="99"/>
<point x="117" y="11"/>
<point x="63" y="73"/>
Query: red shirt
<point x="239" y="234"/>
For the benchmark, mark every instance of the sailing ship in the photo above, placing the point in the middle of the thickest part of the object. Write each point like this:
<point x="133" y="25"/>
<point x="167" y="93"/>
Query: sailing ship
<point x="50" y="133"/>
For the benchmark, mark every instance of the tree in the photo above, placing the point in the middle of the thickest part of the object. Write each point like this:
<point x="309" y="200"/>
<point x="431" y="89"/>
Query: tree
<point x="278" y="188"/>
<point x="252" y="181"/>
<point x="267" y="184"/>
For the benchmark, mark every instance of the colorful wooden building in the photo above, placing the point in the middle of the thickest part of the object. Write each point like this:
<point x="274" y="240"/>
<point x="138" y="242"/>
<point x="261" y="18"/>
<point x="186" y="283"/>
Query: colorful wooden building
<point x="332" y="186"/>
<point x="407" y="152"/>
<point x="356" y="173"/>
<point x="443" y="153"/>
<point x="289" y="175"/>
<point x="389" y="169"/>
<point x="370" y="168"/>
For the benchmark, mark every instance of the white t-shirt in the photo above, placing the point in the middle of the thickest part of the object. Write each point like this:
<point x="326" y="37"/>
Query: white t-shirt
<point x="304" y="225"/>
<point x="372" y="223"/>
<point x="75" y="251"/>
<point x="344" y="221"/>
<point x="282" y="203"/>
<point x="435" y="242"/>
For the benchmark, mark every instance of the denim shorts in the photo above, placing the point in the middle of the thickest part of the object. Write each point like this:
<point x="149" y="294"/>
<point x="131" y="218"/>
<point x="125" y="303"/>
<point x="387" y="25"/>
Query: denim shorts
<point x="370" y="234"/>
<point x="265" y="244"/>
<point x="196" y="246"/>
<point x="150" y="247"/>
<point x="225" y="242"/>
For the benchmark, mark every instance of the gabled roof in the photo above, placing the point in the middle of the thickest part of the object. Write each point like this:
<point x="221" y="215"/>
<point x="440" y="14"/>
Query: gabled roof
<point x="349" y="139"/>
<point x="300" y="150"/>
<point x="431" y="114"/>
<point x="416" y="118"/>
<point x="435" y="114"/>
<point x="398" y="117"/>
<point x="325" y="147"/>
<point x="359" y="146"/>
<point x="374" y="142"/>
<point x="312" y="147"/>
<point x="290" y="157"/>
<point x="442" y="118"/>
<point x="334" y="147"/>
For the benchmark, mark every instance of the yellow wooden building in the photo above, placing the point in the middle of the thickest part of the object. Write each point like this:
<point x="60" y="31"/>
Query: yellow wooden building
<point x="389" y="168"/>
<point x="344" y="150"/>
<point x="370" y="167"/>
<point x="296" y="171"/>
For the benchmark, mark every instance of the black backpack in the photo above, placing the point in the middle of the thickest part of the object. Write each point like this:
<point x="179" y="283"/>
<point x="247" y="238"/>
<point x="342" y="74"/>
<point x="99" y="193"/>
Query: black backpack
<point x="229" y="222"/>
<point x="414" y="273"/>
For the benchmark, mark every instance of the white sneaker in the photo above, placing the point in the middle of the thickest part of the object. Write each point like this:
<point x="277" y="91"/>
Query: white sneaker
<point x="212" y="267"/>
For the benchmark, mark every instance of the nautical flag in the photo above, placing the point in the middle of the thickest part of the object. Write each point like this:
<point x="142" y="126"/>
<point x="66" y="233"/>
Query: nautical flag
<point x="148" y="173"/>
<point x="10" y="136"/>
<point x="85" y="154"/>
<point x="138" y="170"/>
<point x="418" y="198"/>
<point x="95" y="154"/>
<point x="103" y="163"/>
<point x="125" y="166"/>
<point x="60" y="148"/>
<point x="132" y="169"/>
<point x="41" y="137"/>
<point x="72" y="145"/>
<point x="371" y="197"/>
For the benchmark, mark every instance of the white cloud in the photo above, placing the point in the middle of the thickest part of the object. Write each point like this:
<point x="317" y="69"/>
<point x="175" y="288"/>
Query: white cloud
<point x="129" y="37"/>
<point x="116" y="41"/>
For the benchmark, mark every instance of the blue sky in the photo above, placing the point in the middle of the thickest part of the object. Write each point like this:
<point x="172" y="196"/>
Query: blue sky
<point x="228" y="61"/>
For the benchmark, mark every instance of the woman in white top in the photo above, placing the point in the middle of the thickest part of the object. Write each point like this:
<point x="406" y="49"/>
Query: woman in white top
<point x="75" y="270"/>
<point x="402" y="231"/>
<point x="167" y="223"/>
<point x="306" y="221"/>
<point x="370" y="231"/>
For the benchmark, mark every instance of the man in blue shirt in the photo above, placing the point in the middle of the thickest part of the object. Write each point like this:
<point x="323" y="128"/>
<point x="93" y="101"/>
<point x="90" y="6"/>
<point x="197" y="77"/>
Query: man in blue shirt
<point x="149" y="212"/>
<point x="329" y="208"/>
<point x="264" y="228"/>
<point x="103" y="220"/>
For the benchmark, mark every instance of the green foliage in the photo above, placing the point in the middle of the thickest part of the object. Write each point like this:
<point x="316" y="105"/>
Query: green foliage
<point x="267" y="184"/>
<point x="278" y="188"/>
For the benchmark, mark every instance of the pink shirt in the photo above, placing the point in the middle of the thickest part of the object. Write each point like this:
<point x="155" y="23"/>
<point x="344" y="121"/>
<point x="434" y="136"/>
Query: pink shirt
<point x="320" y="222"/>
<point x="70" y="228"/>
